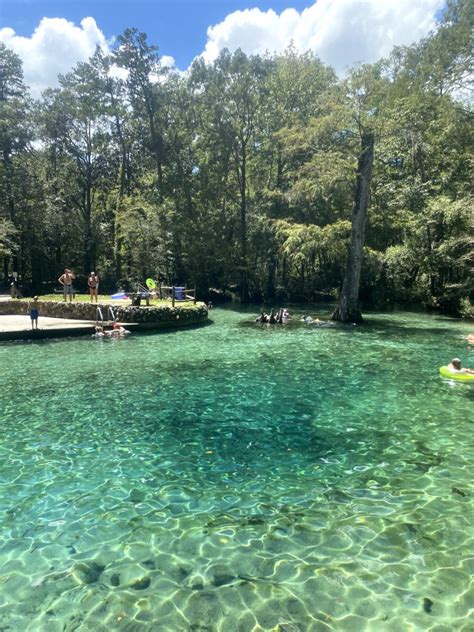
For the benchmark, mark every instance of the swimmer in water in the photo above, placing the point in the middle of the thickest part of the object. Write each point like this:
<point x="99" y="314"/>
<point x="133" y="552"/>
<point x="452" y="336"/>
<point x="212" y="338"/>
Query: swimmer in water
<point x="455" y="367"/>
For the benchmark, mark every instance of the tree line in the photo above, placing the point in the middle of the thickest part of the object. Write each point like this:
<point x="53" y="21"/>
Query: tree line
<point x="249" y="175"/>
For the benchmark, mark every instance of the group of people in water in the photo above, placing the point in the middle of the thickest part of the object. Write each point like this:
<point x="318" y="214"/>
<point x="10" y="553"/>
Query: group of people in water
<point x="309" y="320"/>
<point x="273" y="318"/>
<point x="117" y="331"/>
<point x="283" y="316"/>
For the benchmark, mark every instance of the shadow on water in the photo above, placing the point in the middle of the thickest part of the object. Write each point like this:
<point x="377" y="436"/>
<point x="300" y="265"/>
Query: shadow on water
<point x="369" y="326"/>
<point x="389" y="323"/>
<point x="396" y="328"/>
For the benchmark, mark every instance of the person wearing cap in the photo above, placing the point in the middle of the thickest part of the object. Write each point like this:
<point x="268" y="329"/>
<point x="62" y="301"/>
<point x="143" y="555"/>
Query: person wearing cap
<point x="93" y="283"/>
<point x="455" y="367"/>
<point x="66" y="281"/>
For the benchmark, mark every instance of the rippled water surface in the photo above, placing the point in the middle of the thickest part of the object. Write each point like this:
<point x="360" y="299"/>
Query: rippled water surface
<point x="239" y="477"/>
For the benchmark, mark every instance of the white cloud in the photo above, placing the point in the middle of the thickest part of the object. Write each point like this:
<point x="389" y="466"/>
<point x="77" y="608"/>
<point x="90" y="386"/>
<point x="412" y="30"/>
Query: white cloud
<point x="55" y="47"/>
<point x="167" y="61"/>
<point x="341" y="32"/>
<point x="118" y="73"/>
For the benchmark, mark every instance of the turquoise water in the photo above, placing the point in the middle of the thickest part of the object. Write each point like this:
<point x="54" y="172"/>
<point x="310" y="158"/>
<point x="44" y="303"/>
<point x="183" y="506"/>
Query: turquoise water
<point x="239" y="477"/>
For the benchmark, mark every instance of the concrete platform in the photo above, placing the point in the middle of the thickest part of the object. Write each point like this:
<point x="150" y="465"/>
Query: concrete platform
<point x="57" y="318"/>
<point x="18" y="327"/>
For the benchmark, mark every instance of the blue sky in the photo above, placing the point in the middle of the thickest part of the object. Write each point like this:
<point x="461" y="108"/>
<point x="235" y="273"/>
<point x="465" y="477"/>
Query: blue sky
<point x="51" y="36"/>
<point x="177" y="27"/>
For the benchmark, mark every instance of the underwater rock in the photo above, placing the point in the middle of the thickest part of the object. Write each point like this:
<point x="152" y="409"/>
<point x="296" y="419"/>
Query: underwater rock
<point x="179" y="572"/>
<point x="286" y="627"/>
<point x="254" y="520"/>
<point x="196" y="585"/>
<point x="194" y="582"/>
<point x="337" y="495"/>
<point x="141" y="584"/>
<point x="51" y="577"/>
<point x="149" y="564"/>
<point x="87" y="572"/>
<point x="221" y="575"/>
<point x="427" y="605"/>
<point x="115" y="580"/>
<point x="136" y="496"/>
<point x="223" y="579"/>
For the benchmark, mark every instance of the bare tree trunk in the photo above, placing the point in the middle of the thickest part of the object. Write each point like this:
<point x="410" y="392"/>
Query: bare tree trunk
<point x="244" y="289"/>
<point x="347" y="309"/>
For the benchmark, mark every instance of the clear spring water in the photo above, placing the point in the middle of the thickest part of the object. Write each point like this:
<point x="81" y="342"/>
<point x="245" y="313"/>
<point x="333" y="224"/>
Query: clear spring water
<point x="239" y="477"/>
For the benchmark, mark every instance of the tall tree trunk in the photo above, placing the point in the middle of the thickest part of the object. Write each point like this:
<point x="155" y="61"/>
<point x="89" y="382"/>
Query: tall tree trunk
<point x="10" y="202"/>
<point x="89" y="245"/>
<point x="157" y="150"/>
<point x="244" y="289"/>
<point x="347" y="309"/>
<point x="270" y="289"/>
<point x="124" y="188"/>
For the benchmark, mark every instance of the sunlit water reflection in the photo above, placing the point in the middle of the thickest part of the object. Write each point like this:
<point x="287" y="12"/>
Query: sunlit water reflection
<point x="239" y="477"/>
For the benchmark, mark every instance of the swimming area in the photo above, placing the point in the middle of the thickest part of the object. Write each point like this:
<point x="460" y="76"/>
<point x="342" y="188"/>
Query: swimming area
<point x="239" y="477"/>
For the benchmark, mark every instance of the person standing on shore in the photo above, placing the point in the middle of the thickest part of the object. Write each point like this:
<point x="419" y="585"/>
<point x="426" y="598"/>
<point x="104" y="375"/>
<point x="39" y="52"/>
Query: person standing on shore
<point x="93" y="283"/>
<point x="66" y="281"/>
<point x="34" y="312"/>
<point x="14" y="291"/>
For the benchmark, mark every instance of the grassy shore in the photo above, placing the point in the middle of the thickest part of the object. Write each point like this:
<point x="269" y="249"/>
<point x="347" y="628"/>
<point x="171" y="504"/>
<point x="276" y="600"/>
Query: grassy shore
<point x="102" y="298"/>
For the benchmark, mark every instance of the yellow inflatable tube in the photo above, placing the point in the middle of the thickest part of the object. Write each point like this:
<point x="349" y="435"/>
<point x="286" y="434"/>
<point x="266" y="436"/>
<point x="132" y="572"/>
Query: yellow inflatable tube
<point x="460" y="377"/>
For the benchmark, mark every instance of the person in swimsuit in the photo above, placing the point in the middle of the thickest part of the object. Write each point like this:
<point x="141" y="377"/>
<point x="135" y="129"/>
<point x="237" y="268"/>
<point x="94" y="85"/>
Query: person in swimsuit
<point x="117" y="331"/>
<point x="455" y="367"/>
<point x="34" y="312"/>
<point x="93" y="283"/>
<point x="66" y="281"/>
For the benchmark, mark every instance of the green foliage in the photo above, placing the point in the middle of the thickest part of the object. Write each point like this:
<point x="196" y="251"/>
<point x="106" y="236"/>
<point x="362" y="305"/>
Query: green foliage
<point x="8" y="233"/>
<point x="241" y="175"/>
<point x="311" y="258"/>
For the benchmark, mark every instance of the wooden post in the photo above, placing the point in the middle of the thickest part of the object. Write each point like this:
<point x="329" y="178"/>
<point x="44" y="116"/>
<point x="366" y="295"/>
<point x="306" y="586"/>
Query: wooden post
<point x="172" y="296"/>
<point x="194" y="295"/>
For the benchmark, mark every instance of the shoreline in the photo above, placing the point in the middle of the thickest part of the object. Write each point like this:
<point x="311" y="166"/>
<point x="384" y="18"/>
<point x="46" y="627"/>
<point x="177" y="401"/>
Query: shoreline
<point x="59" y="319"/>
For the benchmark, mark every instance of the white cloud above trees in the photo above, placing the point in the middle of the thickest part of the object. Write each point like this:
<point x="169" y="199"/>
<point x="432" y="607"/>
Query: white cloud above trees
<point x="54" y="48"/>
<point x="341" y="32"/>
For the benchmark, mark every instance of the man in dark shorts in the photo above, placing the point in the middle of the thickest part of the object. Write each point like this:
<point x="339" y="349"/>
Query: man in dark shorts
<point x="34" y="312"/>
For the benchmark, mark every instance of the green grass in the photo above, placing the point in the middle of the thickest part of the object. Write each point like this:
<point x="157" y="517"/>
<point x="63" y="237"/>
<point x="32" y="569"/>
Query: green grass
<point x="105" y="298"/>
